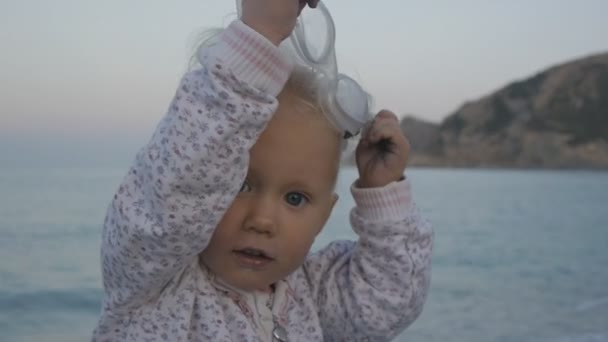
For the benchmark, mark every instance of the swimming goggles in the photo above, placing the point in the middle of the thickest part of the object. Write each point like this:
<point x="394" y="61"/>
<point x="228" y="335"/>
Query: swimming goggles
<point x="312" y="44"/>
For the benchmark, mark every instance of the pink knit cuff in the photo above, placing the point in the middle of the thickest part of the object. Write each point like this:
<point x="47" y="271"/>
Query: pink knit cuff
<point x="391" y="202"/>
<point x="253" y="58"/>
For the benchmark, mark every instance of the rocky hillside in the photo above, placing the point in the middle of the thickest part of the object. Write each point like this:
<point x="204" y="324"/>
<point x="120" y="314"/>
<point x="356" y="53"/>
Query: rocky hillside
<point x="555" y="119"/>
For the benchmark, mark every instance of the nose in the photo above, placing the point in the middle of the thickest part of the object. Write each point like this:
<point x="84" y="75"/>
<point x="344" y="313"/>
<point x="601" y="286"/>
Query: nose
<point x="261" y="217"/>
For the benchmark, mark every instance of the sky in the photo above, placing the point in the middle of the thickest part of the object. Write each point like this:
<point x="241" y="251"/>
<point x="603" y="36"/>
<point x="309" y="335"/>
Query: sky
<point x="90" y="79"/>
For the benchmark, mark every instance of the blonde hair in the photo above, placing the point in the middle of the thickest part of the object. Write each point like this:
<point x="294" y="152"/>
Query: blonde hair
<point x="302" y="89"/>
<point x="302" y="85"/>
<point x="300" y="97"/>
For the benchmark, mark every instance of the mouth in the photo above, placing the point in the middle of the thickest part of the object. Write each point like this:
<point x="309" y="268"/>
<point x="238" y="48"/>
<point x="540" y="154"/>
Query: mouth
<point x="253" y="257"/>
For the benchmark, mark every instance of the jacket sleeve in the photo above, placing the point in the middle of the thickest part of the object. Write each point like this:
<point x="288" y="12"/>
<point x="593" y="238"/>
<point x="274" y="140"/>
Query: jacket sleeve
<point x="375" y="287"/>
<point x="181" y="183"/>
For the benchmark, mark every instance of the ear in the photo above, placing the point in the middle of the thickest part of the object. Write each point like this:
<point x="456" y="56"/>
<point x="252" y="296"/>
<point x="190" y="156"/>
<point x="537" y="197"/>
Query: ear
<point x="332" y="205"/>
<point x="335" y="199"/>
<point x="330" y="208"/>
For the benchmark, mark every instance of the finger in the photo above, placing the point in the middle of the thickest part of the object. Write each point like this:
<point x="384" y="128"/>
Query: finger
<point x="383" y="121"/>
<point x="386" y="129"/>
<point x="301" y="5"/>
<point x="386" y="115"/>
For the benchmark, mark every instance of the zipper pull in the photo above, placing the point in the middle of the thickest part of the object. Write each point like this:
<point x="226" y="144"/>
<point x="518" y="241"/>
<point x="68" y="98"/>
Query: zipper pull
<point x="279" y="333"/>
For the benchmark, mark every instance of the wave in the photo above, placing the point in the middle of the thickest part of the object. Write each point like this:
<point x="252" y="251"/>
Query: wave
<point x="599" y="337"/>
<point x="42" y="231"/>
<point x="592" y="304"/>
<point x="82" y="300"/>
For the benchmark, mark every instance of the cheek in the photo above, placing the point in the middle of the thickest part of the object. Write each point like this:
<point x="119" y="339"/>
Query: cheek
<point x="226" y="228"/>
<point x="232" y="217"/>
<point x="301" y="239"/>
<point x="297" y="252"/>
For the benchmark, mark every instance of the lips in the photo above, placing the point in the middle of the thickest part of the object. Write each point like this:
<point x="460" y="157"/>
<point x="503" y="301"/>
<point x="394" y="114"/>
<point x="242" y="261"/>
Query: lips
<point x="254" y="253"/>
<point x="253" y="257"/>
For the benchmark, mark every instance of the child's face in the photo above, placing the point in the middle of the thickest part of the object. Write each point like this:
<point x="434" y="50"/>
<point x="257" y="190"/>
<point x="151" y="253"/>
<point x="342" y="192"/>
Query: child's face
<point x="285" y="202"/>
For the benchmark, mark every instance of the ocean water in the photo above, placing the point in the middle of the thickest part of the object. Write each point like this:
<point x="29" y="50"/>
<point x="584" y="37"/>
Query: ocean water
<point x="519" y="255"/>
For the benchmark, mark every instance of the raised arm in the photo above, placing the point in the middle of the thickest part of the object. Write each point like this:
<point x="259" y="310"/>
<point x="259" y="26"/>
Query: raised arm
<point x="375" y="287"/>
<point x="184" y="179"/>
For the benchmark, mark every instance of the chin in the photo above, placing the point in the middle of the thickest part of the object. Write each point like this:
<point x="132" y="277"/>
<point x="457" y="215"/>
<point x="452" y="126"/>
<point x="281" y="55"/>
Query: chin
<point x="250" y="286"/>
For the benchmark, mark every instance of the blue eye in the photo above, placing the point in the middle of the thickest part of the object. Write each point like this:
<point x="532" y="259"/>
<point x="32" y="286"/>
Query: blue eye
<point x="245" y="187"/>
<point x="295" y="199"/>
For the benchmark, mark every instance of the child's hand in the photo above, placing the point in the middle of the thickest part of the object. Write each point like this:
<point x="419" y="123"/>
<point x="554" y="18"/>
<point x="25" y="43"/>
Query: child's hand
<point x="274" y="19"/>
<point x="382" y="152"/>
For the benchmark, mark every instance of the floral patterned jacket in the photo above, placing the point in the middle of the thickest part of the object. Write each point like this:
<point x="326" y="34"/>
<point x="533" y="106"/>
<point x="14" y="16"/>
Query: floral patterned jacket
<point x="166" y="208"/>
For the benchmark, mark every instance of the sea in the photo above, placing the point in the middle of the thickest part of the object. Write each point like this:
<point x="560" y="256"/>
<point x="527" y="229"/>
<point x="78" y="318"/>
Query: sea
<point x="519" y="255"/>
